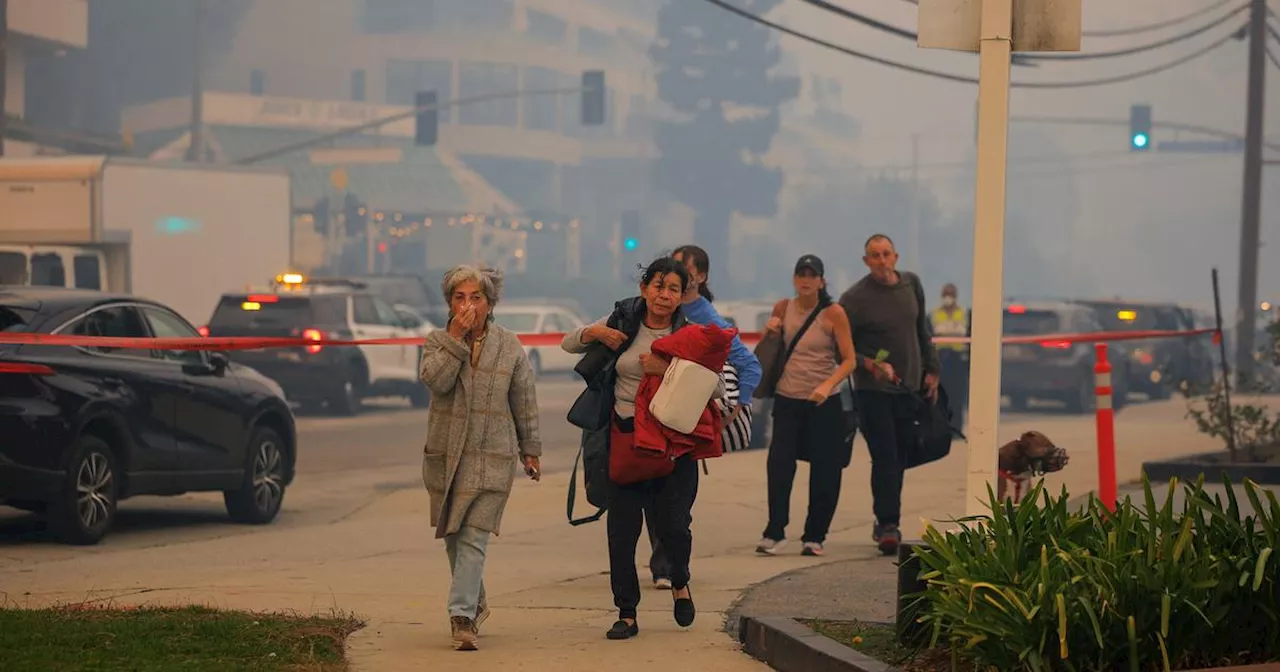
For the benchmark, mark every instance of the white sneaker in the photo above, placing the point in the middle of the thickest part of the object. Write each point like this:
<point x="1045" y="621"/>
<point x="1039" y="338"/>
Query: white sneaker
<point x="770" y="546"/>
<point x="662" y="583"/>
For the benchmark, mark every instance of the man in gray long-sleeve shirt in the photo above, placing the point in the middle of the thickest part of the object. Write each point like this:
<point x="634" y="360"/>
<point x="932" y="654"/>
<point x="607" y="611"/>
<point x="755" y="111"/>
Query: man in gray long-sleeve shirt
<point x="886" y="313"/>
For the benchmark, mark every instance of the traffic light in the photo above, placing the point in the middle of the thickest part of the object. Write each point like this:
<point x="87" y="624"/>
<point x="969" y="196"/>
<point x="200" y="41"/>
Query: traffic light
<point x="321" y="216"/>
<point x="630" y="231"/>
<point x="426" y="123"/>
<point x="353" y="212"/>
<point x="1139" y="128"/>
<point x="593" y="98"/>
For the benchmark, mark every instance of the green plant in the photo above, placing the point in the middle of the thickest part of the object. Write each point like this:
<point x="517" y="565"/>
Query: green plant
<point x="1042" y="586"/>
<point x="1255" y="425"/>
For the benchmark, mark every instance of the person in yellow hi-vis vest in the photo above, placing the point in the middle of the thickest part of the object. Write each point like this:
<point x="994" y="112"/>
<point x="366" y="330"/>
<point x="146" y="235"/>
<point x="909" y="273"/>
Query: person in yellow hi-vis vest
<point x="950" y="319"/>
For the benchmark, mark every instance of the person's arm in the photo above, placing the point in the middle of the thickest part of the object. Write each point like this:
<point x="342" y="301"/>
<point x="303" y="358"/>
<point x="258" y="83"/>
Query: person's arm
<point x="574" y="342"/>
<point x="742" y="359"/>
<point x="523" y="400"/>
<point x="924" y="333"/>
<point x="442" y="358"/>
<point x="839" y="322"/>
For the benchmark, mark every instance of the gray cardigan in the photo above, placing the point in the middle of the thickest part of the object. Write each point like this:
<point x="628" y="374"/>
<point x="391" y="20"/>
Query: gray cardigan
<point x="480" y="420"/>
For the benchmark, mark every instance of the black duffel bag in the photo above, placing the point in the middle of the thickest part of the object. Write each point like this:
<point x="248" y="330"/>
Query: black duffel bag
<point x="924" y="428"/>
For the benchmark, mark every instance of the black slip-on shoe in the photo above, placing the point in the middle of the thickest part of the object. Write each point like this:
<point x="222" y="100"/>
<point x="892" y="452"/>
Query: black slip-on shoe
<point x="684" y="611"/>
<point x="621" y="630"/>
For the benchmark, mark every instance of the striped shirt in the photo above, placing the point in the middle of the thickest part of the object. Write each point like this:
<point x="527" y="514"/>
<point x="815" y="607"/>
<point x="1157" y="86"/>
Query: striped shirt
<point x="736" y="435"/>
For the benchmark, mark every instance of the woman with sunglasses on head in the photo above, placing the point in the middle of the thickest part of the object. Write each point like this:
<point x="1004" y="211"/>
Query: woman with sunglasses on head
<point x="618" y="348"/>
<point x="808" y="416"/>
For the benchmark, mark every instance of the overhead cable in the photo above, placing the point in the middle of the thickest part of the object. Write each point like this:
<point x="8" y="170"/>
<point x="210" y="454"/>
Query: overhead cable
<point x="960" y="78"/>
<point x="1146" y="28"/>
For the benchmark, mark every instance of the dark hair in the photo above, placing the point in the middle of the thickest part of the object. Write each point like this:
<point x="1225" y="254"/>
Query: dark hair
<point x="824" y="297"/>
<point x="664" y="266"/>
<point x="878" y="236"/>
<point x="701" y="262"/>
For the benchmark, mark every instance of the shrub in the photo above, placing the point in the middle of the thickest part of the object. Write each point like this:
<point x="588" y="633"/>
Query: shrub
<point x="1043" y="586"/>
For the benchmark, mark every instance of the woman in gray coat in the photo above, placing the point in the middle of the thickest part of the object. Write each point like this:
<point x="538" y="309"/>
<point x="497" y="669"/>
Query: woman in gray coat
<point x="483" y="417"/>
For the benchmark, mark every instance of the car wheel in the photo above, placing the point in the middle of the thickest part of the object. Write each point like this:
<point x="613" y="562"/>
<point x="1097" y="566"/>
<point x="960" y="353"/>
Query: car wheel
<point x="347" y="400"/>
<point x="535" y="361"/>
<point x="420" y="397"/>
<point x="86" y="507"/>
<point x="1084" y="400"/>
<point x="261" y="492"/>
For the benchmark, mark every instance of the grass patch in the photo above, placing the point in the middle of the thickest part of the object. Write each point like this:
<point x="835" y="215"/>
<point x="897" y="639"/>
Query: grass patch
<point x="880" y="641"/>
<point x="184" y="638"/>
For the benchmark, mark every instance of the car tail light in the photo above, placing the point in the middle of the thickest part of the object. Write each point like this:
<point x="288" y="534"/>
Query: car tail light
<point x="313" y="335"/>
<point x="262" y="298"/>
<point x="1056" y="345"/>
<point x="23" y="367"/>
<point x="204" y="331"/>
<point x="1017" y="310"/>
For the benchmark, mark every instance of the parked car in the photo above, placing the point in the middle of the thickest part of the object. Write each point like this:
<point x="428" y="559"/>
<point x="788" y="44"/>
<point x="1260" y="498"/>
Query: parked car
<point x="541" y="318"/>
<point x="336" y="379"/>
<point x="1057" y="370"/>
<point x="1158" y="367"/>
<point x="86" y="427"/>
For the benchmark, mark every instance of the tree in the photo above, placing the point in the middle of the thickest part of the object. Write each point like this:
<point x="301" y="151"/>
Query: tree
<point x="716" y="72"/>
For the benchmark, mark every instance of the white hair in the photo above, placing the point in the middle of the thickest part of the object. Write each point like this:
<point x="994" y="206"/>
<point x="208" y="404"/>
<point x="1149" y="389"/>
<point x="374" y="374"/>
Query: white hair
<point x="489" y="280"/>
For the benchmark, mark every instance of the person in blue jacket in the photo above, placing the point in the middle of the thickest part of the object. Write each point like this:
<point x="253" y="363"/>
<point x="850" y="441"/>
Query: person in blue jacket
<point x="742" y="368"/>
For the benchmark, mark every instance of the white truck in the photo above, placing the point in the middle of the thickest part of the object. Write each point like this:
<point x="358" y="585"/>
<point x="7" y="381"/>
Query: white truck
<point x="180" y="234"/>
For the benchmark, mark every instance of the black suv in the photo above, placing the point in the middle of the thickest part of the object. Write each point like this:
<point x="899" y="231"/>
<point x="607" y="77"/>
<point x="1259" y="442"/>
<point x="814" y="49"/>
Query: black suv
<point x="317" y="376"/>
<point x="84" y="427"/>
<point x="1057" y="370"/>
<point x="1157" y="367"/>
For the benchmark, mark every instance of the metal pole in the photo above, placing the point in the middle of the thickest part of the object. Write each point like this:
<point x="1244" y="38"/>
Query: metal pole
<point x="4" y="71"/>
<point x="1247" y="301"/>
<point x="995" y="51"/>
<point x="1226" y="371"/>
<point x="914" y="232"/>
<point x="195" y="150"/>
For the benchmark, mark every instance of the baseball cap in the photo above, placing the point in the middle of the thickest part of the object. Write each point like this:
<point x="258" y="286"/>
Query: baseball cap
<point x="810" y="262"/>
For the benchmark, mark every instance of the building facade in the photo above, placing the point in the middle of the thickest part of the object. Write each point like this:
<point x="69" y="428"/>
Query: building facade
<point x="41" y="33"/>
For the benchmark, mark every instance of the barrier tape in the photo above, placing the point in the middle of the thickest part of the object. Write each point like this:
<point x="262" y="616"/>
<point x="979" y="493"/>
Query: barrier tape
<point x="533" y="340"/>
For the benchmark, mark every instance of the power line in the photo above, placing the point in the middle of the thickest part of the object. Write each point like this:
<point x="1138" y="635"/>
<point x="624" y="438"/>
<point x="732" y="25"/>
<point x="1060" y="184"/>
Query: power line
<point x="962" y="79"/>
<point x="1145" y="47"/>
<point x="1134" y="30"/>
<point x="1102" y="121"/>
<point x="903" y="33"/>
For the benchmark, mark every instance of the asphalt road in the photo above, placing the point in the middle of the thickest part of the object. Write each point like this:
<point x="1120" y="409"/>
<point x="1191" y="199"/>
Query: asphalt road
<point x="344" y="465"/>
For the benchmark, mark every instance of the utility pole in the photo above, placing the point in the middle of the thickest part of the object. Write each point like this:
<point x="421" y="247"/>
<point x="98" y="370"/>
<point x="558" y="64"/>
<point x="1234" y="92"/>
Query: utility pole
<point x="1247" y="292"/>
<point x="913" y="236"/>
<point x="4" y="69"/>
<point x="195" y="151"/>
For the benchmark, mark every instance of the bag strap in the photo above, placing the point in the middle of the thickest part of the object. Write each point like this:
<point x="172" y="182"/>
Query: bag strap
<point x="573" y="496"/>
<point x="822" y="305"/>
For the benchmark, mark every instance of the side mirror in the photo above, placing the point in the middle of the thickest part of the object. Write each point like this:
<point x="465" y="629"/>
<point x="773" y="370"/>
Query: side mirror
<point x="219" y="361"/>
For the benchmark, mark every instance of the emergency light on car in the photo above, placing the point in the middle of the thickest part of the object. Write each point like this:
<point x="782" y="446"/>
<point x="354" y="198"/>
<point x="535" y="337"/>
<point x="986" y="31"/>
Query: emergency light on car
<point x="1127" y="315"/>
<point x="251" y="305"/>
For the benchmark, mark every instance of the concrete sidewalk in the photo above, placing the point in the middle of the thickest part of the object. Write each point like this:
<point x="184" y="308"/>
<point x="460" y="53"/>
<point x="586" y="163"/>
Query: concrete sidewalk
<point x="548" y="582"/>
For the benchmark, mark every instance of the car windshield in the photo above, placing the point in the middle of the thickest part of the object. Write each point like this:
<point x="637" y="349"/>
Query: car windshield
<point x="517" y="322"/>
<point x="1031" y="323"/>
<point x="243" y="311"/>
<point x="15" y="319"/>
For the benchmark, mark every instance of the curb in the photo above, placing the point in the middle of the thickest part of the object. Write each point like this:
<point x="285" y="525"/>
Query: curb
<point x="789" y="646"/>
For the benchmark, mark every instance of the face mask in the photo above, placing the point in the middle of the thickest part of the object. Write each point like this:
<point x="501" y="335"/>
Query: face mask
<point x="949" y="301"/>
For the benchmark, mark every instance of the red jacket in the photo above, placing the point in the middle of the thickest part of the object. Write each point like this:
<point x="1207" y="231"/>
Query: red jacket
<point x="707" y="345"/>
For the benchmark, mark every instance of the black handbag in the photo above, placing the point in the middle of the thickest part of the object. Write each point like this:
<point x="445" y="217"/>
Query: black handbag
<point x="924" y="429"/>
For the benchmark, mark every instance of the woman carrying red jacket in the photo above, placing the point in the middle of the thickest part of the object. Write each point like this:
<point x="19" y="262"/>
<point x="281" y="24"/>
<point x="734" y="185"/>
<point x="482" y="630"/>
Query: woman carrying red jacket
<point x="625" y="338"/>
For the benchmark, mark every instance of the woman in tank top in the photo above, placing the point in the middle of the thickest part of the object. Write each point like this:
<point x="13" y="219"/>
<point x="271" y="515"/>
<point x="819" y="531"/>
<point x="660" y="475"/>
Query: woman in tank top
<point x="808" y="420"/>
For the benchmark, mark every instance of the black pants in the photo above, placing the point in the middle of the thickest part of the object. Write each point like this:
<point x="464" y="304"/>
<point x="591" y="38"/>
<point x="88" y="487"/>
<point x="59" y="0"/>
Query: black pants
<point x="670" y="517"/>
<point x="878" y="414"/>
<point x="659" y="567"/>
<point x="955" y="377"/>
<point x="803" y="430"/>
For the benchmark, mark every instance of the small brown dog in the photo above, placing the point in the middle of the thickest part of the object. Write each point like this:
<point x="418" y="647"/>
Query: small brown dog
<point x="1032" y="454"/>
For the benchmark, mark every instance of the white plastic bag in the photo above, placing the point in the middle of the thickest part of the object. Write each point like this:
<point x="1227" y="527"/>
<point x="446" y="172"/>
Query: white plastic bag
<point x="686" y="390"/>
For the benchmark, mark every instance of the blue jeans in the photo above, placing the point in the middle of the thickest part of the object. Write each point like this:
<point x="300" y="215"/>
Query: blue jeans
<point x="466" y="551"/>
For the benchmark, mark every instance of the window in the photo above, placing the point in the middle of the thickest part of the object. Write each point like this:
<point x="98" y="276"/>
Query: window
<point x="88" y="271"/>
<point x="329" y="311"/>
<point x="406" y="78"/>
<point x="408" y="319"/>
<point x="594" y="43"/>
<point x="545" y="28"/>
<point x="399" y="16"/>
<point x="47" y="271"/>
<point x="167" y="325"/>
<point x="15" y="318"/>
<point x="256" y="83"/>
<point x="113" y="322"/>
<point x="281" y="317"/>
<point x="476" y="14"/>
<point x="365" y="310"/>
<point x="520" y="323"/>
<point x="13" y="268"/>
<point x="386" y="314"/>
<point x="542" y="111"/>
<point x="357" y="85"/>
<point x="478" y="79"/>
